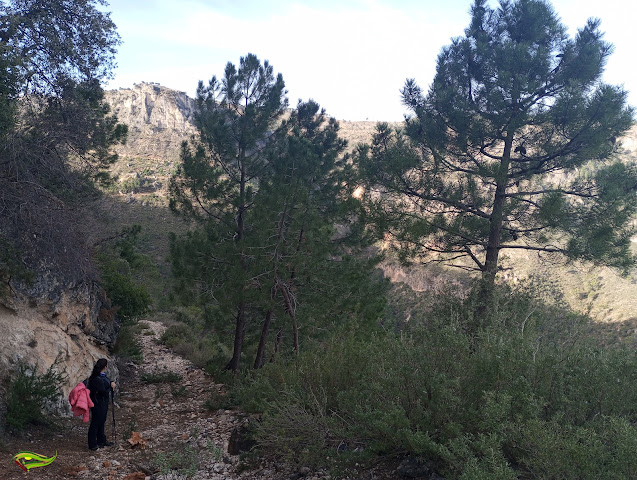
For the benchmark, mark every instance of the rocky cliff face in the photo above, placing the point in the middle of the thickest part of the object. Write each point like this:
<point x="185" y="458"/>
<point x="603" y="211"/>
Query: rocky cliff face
<point x="68" y="322"/>
<point x="158" y="120"/>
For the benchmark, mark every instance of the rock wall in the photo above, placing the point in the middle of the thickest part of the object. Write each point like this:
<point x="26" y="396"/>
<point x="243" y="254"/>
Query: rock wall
<point x="50" y="321"/>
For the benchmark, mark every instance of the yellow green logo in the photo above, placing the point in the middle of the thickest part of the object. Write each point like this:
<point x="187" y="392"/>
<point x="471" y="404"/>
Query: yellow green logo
<point x="29" y="460"/>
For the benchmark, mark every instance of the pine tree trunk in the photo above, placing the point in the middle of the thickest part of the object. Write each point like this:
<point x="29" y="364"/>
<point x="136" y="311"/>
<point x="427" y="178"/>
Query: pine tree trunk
<point x="295" y="331"/>
<point x="485" y="293"/>
<point x="277" y="344"/>
<point x="290" y="311"/>
<point x="240" y="328"/>
<point x="239" y="336"/>
<point x="259" y="361"/>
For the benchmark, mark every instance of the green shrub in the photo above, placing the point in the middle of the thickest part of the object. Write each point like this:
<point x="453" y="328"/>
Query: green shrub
<point x="218" y="400"/>
<point x="118" y="262"/>
<point x="29" y="392"/>
<point x="161" y="376"/>
<point x="190" y="315"/>
<point x="132" y="299"/>
<point x="127" y="344"/>
<point x="525" y="395"/>
<point x="181" y="459"/>
<point x="203" y="350"/>
<point x="177" y="334"/>
<point x="130" y="185"/>
<point x="179" y="392"/>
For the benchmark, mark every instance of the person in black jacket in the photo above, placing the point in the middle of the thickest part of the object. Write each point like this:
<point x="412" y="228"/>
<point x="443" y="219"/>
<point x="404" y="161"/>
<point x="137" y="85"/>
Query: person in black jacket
<point x="100" y="386"/>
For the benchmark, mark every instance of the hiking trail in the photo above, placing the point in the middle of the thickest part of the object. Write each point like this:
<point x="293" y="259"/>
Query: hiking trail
<point x="183" y="439"/>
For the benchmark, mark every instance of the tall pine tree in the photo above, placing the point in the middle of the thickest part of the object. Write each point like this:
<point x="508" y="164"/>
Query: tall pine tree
<point x="511" y="148"/>
<point x="219" y="181"/>
<point x="267" y="191"/>
<point x="302" y="201"/>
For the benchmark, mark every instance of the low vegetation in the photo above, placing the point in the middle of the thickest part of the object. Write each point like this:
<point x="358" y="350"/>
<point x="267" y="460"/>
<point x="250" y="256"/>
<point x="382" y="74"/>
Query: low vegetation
<point x="120" y="262"/>
<point x="182" y="460"/>
<point x="29" y="392"/>
<point x="161" y="376"/>
<point x="529" y="394"/>
<point x="127" y="344"/>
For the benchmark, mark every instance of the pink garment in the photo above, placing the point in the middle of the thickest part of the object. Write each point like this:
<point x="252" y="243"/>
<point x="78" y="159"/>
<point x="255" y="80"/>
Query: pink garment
<point x="81" y="403"/>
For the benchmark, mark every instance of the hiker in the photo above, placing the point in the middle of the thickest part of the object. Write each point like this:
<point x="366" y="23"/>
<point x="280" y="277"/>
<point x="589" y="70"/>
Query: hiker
<point x="100" y="386"/>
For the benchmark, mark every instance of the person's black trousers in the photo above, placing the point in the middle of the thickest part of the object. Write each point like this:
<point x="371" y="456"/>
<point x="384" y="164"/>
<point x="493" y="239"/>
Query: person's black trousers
<point x="96" y="434"/>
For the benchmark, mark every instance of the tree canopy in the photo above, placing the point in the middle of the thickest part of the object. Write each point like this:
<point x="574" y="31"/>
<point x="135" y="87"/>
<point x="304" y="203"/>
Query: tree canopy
<point x="266" y="189"/>
<point x="512" y="147"/>
<point x="55" y="128"/>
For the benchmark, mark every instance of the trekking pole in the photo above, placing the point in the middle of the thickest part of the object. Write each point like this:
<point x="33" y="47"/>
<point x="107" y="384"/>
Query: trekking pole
<point x="113" y="413"/>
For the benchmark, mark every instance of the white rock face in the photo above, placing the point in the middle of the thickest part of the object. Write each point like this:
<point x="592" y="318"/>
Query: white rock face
<point x="65" y="324"/>
<point x="47" y="341"/>
<point x="158" y="120"/>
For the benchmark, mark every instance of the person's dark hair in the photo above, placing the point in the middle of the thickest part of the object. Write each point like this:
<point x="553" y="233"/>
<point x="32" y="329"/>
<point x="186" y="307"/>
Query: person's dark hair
<point x="99" y="366"/>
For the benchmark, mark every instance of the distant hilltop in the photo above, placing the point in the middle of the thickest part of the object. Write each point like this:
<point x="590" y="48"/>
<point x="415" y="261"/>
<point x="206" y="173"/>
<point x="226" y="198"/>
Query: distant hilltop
<point x="160" y="118"/>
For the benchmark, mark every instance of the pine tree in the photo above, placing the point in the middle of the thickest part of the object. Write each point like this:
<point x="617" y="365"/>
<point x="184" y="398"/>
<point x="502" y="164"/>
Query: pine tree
<point x="266" y="192"/>
<point x="219" y="181"/>
<point x="300" y="203"/>
<point x="511" y="148"/>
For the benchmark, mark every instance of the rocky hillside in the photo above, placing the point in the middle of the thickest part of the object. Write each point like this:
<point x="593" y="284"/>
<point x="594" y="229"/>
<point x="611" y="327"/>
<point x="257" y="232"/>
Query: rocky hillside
<point x="159" y="120"/>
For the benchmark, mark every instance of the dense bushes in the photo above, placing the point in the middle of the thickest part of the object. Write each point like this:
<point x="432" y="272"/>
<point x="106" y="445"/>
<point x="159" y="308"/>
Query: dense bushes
<point x="191" y="335"/>
<point x="132" y="299"/>
<point x="118" y="265"/>
<point x="527" y="393"/>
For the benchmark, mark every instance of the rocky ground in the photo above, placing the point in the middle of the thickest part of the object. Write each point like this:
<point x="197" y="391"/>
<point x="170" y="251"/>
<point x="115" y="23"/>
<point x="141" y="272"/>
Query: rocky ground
<point x="179" y="437"/>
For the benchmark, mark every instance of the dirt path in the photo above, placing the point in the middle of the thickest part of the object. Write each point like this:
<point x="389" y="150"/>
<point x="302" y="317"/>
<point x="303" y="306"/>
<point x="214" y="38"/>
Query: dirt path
<point x="181" y="435"/>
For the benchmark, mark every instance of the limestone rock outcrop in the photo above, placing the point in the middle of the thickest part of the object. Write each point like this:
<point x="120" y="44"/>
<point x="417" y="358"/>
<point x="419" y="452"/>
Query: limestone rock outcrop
<point x="158" y="120"/>
<point x="69" y="322"/>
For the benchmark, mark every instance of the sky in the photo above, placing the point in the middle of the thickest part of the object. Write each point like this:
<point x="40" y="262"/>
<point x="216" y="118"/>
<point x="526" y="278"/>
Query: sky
<point x="351" y="56"/>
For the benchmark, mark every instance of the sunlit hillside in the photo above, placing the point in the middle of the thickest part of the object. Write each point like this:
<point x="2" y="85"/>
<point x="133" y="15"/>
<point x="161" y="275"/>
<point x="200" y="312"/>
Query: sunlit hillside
<point x="159" y="120"/>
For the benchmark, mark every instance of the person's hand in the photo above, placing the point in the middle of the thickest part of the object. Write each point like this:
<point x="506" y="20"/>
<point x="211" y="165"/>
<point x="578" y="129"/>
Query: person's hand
<point x="113" y="385"/>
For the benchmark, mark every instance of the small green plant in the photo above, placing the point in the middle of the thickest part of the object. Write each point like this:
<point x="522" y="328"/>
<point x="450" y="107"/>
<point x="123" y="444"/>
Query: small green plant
<point x="159" y="392"/>
<point x="217" y="452"/>
<point x="130" y="185"/>
<point x="130" y="428"/>
<point x="217" y="400"/>
<point x="161" y="377"/>
<point x="182" y="459"/>
<point x="29" y="392"/>
<point x="178" y="392"/>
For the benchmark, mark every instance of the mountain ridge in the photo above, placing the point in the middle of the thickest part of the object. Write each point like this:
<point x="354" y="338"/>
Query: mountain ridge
<point x="160" y="119"/>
